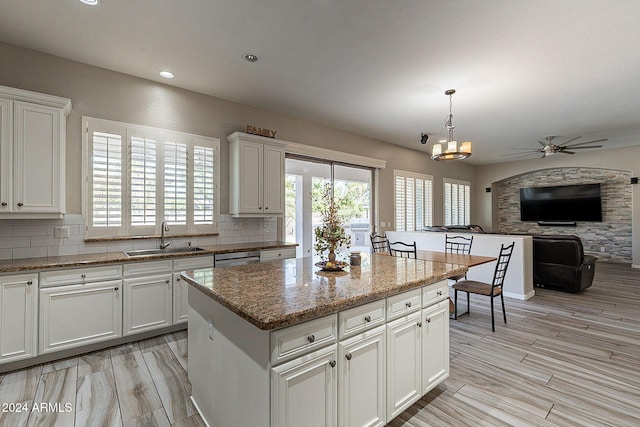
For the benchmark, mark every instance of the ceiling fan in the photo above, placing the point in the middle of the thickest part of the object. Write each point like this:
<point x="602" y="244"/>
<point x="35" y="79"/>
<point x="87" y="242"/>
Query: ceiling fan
<point x="549" y="148"/>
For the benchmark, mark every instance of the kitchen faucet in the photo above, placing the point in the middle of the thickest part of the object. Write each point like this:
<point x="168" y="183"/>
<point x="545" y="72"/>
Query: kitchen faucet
<point x="164" y="227"/>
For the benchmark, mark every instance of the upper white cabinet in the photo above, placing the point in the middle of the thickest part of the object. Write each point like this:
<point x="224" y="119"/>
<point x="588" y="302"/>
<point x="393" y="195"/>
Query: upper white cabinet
<point x="32" y="151"/>
<point x="256" y="169"/>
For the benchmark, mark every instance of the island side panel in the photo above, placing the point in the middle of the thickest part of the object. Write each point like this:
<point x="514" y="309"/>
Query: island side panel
<point x="229" y="373"/>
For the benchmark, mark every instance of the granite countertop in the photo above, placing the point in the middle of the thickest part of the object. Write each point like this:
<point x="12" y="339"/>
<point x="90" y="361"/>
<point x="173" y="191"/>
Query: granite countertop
<point x="24" y="264"/>
<point x="274" y="294"/>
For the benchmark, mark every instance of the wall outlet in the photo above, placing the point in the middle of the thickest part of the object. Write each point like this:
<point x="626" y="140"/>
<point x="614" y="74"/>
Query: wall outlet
<point x="210" y="327"/>
<point x="61" y="232"/>
<point x="601" y="248"/>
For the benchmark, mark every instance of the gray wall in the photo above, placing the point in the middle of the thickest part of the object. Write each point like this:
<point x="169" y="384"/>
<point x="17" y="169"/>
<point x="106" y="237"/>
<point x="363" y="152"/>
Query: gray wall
<point x="109" y="95"/>
<point x="609" y="240"/>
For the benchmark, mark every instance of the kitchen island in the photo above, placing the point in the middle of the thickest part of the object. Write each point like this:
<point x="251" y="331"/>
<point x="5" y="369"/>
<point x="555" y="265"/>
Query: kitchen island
<point x="283" y="343"/>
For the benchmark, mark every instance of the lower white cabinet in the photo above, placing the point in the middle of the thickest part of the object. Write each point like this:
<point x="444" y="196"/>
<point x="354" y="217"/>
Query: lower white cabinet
<point x="361" y="379"/>
<point x="80" y="314"/>
<point x="404" y="363"/>
<point x="435" y="345"/>
<point x="305" y="390"/>
<point x="18" y="311"/>
<point x="147" y="303"/>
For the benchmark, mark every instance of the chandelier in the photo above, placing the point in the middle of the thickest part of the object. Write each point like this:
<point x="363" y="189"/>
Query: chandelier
<point x="450" y="149"/>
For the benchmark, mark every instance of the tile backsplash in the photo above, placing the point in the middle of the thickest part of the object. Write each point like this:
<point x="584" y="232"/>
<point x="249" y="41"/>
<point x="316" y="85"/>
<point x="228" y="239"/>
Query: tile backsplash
<point x="28" y="238"/>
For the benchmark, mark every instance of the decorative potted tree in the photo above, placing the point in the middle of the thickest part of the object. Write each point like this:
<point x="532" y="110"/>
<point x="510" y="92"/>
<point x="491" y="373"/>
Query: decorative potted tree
<point x="330" y="235"/>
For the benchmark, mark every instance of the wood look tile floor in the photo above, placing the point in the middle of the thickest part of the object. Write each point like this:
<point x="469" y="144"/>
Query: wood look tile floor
<point x="562" y="360"/>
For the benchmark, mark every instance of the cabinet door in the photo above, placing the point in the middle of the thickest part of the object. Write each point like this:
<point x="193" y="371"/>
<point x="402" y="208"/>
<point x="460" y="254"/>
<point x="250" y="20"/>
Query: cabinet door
<point x="38" y="152"/>
<point x="74" y="315"/>
<point x="180" y="299"/>
<point x="273" y="180"/>
<point x="18" y="314"/>
<point x="362" y="381"/>
<point x="250" y="177"/>
<point x="147" y="303"/>
<point x="304" y="391"/>
<point x="404" y="363"/>
<point x="435" y="345"/>
<point x="6" y="138"/>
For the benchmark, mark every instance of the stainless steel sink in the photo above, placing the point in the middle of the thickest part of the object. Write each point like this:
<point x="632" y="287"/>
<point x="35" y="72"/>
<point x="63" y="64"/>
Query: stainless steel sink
<point x="148" y="252"/>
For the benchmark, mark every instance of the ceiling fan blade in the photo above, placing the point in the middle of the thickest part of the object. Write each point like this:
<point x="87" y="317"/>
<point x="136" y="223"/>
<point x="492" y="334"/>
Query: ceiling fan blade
<point x="565" y="152"/>
<point x="542" y="143"/>
<point x="583" y="143"/>
<point x="580" y="148"/>
<point x="571" y="140"/>
<point x="525" y="149"/>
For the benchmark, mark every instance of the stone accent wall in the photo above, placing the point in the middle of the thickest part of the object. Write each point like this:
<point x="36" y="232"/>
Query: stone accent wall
<point x="613" y="233"/>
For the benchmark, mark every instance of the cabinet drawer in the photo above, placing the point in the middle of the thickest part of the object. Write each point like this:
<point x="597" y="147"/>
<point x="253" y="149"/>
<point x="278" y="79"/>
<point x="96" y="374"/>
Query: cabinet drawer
<point x="404" y="303"/>
<point x="360" y="319"/>
<point x="80" y="275"/>
<point x="272" y="254"/>
<point x="191" y="263"/>
<point x="145" y="268"/>
<point x="435" y="292"/>
<point x="297" y="340"/>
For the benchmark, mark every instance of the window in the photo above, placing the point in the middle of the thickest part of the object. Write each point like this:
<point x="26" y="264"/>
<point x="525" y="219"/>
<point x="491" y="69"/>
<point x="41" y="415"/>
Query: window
<point x="414" y="201"/>
<point x="137" y="176"/>
<point x="457" y="202"/>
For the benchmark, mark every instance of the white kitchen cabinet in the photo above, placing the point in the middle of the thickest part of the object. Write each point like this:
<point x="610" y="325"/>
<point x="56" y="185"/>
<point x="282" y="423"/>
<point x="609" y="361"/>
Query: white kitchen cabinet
<point x="256" y="169"/>
<point x="32" y="168"/>
<point x="18" y="316"/>
<point x="304" y="391"/>
<point x="181" y="288"/>
<point x="361" y="379"/>
<point x="435" y="345"/>
<point x="75" y="315"/>
<point x="404" y="363"/>
<point x="280" y="253"/>
<point x="148" y="295"/>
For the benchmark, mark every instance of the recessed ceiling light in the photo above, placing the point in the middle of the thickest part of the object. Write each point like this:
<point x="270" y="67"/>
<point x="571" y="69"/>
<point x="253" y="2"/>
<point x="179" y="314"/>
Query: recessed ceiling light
<point x="250" y="57"/>
<point x="166" y="74"/>
<point x="90" y="2"/>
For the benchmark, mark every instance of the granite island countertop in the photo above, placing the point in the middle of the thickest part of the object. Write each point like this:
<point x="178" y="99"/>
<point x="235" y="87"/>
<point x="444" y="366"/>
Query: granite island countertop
<point x="83" y="260"/>
<point x="275" y="294"/>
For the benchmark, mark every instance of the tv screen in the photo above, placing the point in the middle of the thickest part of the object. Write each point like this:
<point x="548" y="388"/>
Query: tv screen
<point x="562" y="203"/>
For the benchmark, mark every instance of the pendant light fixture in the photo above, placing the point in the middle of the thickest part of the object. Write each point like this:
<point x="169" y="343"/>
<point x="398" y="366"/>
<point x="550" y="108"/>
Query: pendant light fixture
<point x="451" y="150"/>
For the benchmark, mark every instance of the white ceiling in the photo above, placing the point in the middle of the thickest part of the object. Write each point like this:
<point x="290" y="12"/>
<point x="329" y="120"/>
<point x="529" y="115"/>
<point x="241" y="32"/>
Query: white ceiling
<point x="522" y="69"/>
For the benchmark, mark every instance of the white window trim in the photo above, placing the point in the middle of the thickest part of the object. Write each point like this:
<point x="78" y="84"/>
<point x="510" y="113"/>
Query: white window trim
<point x="406" y="174"/>
<point x="126" y="230"/>
<point x="446" y="181"/>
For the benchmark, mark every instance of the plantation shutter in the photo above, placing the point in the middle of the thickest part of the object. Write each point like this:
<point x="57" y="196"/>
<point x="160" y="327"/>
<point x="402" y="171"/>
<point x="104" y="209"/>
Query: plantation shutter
<point x="175" y="182"/>
<point x="203" y="185"/>
<point x="143" y="180"/>
<point x="106" y="180"/>
<point x="457" y="202"/>
<point x="413" y="201"/>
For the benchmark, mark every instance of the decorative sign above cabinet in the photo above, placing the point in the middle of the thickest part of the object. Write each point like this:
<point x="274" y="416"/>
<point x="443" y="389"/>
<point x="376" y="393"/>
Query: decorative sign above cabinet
<point x="269" y="133"/>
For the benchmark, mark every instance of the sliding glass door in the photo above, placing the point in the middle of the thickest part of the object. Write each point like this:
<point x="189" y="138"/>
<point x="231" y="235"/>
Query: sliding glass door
<point x="304" y="180"/>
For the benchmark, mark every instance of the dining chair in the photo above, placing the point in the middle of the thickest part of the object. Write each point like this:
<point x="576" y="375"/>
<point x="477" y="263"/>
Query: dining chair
<point x="458" y="245"/>
<point x="403" y="250"/>
<point x="492" y="289"/>
<point x="379" y="243"/>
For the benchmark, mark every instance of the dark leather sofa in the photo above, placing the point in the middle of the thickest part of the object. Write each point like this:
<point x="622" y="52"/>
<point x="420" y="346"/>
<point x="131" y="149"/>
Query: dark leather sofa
<point x="559" y="263"/>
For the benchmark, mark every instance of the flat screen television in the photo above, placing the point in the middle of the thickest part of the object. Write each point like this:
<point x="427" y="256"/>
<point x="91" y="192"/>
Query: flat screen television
<point x="562" y="203"/>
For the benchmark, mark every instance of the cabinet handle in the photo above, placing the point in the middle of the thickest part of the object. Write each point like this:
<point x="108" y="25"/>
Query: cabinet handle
<point x="167" y="281"/>
<point x="4" y="203"/>
<point x="115" y="289"/>
<point x="367" y="319"/>
<point x="439" y="293"/>
<point x="84" y="276"/>
<point x="332" y="363"/>
<point x="348" y="356"/>
<point x="260" y="207"/>
<point x="178" y="279"/>
<point x="419" y="324"/>
<point x="29" y="283"/>
<point x="311" y="338"/>
<point x="408" y="304"/>
<point x="428" y="319"/>
<point x="20" y="204"/>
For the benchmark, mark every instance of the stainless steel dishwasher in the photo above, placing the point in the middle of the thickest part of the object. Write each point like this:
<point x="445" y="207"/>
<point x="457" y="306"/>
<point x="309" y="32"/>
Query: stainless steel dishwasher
<point x="236" y="258"/>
